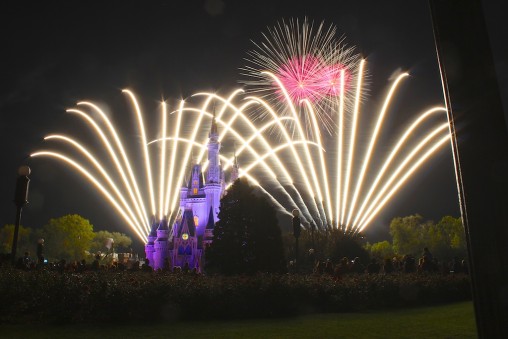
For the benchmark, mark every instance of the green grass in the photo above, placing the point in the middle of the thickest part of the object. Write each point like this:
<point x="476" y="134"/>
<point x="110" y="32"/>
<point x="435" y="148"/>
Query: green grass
<point x="446" y="321"/>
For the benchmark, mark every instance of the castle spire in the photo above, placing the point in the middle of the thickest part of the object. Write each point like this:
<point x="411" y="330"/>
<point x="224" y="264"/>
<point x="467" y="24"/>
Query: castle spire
<point x="235" y="168"/>
<point x="214" y="168"/>
<point x="213" y="128"/>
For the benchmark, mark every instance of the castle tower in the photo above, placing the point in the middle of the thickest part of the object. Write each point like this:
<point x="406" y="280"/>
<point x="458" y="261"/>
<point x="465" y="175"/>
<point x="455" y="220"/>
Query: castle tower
<point x="235" y="171"/>
<point x="149" y="247"/>
<point x="214" y="178"/>
<point x="161" y="245"/>
<point x="214" y="169"/>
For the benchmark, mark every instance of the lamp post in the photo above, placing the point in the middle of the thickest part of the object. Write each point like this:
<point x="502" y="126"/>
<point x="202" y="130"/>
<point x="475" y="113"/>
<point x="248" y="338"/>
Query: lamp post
<point x="313" y="228"/>
<point x="296" y="230"/>
<point x="20" y="199"/>
<point x="40" y="251"/>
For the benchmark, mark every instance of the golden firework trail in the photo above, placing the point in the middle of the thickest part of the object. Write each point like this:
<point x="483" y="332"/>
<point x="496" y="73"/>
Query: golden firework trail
<point x="157" y="170"/>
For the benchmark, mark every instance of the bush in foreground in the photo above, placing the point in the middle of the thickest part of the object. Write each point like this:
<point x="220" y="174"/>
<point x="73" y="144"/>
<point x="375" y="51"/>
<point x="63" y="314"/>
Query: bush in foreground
<point x="47" y="296"/>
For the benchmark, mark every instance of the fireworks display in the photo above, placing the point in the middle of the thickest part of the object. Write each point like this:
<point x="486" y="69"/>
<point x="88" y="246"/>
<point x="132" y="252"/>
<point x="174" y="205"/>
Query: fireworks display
<point x="310" y="63"/>
<point x="302" y="83"/>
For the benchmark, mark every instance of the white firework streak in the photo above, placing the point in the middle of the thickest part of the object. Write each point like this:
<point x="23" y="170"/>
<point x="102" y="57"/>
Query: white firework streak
<point x="262" y="162"/>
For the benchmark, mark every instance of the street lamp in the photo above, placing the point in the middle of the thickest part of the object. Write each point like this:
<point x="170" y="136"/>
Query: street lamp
<point x="296" y="230"/>
<point x="20" y="199"/>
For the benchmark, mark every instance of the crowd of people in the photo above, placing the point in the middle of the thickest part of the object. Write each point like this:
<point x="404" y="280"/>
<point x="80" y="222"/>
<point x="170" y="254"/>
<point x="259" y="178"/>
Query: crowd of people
<point x="426" y="263"/>
<point x="27" y="263"/>
<point x="408" y="264"/>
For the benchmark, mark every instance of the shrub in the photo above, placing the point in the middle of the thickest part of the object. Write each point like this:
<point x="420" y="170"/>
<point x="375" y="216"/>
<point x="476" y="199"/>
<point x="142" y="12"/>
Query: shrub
<point x="50" y="296"/>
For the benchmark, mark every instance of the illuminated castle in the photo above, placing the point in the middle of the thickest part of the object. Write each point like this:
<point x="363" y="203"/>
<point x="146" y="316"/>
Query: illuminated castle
<point x="184" y="242"/>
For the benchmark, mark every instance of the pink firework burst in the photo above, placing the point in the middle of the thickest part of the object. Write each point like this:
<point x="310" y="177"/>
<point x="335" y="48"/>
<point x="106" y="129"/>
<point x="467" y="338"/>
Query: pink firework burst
<point x="300" y="77"/>
<point x="307" y="61"/>
<point x="310" y="78"/>
<point x="329" y="80"/>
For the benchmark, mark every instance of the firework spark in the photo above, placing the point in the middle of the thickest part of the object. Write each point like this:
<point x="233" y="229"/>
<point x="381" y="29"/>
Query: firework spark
<point x="265" y="161"/>
<point x="302" y="83"/>
<point x="309" y="62"/>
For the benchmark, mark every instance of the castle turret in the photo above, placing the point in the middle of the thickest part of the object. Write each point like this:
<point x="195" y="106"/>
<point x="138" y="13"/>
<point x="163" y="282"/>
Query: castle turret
<point x="208" y="237"/>
<point x="213" y="187"/>
<point x="149" y="247"/>
<point x="161" y="245"/>
<point x="214" y="170"/>
<point x="235" y="170"/>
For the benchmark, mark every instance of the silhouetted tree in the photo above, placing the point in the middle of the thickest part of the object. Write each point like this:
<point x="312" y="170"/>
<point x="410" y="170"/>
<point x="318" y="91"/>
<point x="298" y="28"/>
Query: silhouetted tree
<point x="409" y="234"/>
<point x="380" y="250"/>
<point x="445" y="239"/>
<point x="67" y="237"/>
<point x="121" y="242"/>
<point x="247" y="237"/>
<point x="25" y="239"/>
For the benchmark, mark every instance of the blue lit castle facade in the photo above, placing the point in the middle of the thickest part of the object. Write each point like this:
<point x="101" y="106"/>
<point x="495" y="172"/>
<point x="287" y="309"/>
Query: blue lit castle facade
<point x="183" y="243"/>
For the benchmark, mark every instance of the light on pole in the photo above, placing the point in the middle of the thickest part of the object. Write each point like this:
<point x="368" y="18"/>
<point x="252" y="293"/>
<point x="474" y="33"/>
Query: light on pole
<point x="296" y="230"/>
<point x="20" y="199"/>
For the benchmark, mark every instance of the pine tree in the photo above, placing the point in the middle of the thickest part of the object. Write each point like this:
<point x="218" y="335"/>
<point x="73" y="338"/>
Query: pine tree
<point x="247" y="237"/>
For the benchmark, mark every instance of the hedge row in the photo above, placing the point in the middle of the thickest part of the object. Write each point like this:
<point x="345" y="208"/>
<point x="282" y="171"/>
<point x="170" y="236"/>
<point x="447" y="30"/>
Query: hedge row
<point x="45" y="296"/>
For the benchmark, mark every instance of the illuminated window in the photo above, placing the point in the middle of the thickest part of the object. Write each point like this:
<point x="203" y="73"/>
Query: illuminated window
<point x="196" y="220"/>
<point x="195" y="191"/>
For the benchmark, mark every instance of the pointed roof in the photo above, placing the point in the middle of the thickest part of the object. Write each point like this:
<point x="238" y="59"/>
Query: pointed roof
<point x="163" y="225"/>
<point x="211" y="223"/>
<point x="213" y="128"/>
<point x="153" y="230"/>
<point x="187" y="223"/>
<point x="196" y="167"/>
<point x="234" y="169"/>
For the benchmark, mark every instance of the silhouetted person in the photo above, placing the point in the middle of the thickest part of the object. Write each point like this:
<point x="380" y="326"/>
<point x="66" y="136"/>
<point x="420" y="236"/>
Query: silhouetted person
<point x="319" y="267"/>
<point x="357" y="267"/>
<point x="166" y="265"/>
<point x="373" y="267"/>
<point x="135" y="266"/>
<point x="40" y="251"/>
<point x="426" y="253"/>
<point x="343" y="266"/>
<point x="465" y="267"/>
<point x="409" y="264"/>
<point x="146" y="266"/>
<point x="329" y="267"/>
<point x="388" y="267"/>
<point x="27" y="261"/>
<point x="427" y="264"/>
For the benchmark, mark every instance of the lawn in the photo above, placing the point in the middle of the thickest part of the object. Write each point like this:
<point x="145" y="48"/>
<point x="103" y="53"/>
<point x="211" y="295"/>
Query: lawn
<point x="446" y="321"/>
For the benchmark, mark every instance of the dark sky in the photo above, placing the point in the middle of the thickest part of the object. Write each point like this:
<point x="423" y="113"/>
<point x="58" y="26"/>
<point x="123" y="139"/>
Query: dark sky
<point x="56" y="53"/>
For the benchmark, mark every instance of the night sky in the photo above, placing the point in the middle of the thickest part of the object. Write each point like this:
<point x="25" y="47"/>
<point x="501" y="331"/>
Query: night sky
<point x="56" y="53"/>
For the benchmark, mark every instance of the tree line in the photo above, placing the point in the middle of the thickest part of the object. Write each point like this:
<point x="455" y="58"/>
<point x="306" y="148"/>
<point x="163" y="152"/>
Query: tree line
<point x="70" y="237"/>
<point x="445" y="239"/>
<point x="248" y="238"/>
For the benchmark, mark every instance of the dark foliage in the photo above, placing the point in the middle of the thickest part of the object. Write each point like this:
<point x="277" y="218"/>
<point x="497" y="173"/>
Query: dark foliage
<point x="247" y="237"/>
<point x="329" y="243"/>
<point x="107" y="296"/>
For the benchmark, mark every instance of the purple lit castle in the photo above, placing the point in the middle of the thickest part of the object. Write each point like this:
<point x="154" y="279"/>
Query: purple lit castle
<point x="184" y="242"/>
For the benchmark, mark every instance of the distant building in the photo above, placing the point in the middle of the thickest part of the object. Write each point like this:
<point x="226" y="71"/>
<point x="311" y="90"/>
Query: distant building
<point x="183" y="243"/>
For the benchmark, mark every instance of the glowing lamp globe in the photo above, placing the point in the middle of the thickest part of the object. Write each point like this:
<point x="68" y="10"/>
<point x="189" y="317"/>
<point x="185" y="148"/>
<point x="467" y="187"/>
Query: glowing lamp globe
<point x="24" y="171"/>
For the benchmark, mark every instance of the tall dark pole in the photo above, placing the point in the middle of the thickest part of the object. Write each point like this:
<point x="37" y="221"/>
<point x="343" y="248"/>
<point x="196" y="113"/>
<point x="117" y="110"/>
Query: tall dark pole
<point x="20" y="199"/>
<point x="480" y="151"/>
<point x="296" y="231"/>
